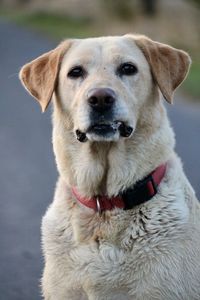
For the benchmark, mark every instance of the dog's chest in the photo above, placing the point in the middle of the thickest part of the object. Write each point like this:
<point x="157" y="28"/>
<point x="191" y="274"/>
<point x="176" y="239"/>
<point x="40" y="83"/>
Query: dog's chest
<point x="123" y="266"/>
<point x="111" y="252"/>
<point x="103" y="265"/>
<point x="120" y="249"/>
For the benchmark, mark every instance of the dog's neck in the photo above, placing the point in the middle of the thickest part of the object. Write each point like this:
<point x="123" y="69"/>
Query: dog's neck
<point x="108" y="168"/>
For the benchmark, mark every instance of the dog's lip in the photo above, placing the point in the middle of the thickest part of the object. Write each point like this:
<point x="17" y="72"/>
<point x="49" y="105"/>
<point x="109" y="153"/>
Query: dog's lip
<point x="104" y="127"/>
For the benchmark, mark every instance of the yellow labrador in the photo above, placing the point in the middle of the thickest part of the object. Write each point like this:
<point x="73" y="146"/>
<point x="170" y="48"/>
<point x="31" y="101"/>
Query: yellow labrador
<point x="125" y="222"/>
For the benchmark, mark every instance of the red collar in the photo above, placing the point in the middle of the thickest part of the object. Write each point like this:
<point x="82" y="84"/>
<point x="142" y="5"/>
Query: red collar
<point x="141" y="192"/>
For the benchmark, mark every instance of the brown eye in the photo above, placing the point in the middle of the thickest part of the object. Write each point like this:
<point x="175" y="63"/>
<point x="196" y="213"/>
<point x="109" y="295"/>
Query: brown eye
<point x="127" y="69"/>
<point x="76" y="72"/>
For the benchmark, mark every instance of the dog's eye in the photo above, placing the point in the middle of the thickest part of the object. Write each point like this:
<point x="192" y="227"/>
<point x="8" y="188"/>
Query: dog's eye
<point x="127" y="69"/>
<point x="76" y="72"/>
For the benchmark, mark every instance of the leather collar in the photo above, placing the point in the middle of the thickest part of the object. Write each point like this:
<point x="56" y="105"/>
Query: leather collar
<point x="141" y="192"/>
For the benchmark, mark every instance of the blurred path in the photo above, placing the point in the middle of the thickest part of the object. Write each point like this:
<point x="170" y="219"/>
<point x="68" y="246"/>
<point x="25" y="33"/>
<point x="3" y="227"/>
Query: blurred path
<point x="27" y="172"/>
<point x="185" y="119"/>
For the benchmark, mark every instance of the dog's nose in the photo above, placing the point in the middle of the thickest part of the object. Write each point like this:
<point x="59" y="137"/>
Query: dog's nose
<point x="101" y="99"/>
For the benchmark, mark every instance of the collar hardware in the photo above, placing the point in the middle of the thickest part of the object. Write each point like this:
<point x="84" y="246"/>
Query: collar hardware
<point x="99" y="209"/>
<point x="143" y="191"/>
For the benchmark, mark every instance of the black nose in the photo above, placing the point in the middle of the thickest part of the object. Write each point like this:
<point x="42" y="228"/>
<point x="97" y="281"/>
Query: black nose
<point x="101" y="99"/>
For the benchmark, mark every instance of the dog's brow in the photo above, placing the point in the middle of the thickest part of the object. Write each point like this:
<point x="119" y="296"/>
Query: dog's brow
<point x="118" y="59"/>
<point x="81" y="61"/>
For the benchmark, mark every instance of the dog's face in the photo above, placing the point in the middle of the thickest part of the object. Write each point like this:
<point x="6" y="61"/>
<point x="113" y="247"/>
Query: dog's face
<point x="107" y="90"/>
<point x="102" y="83"/>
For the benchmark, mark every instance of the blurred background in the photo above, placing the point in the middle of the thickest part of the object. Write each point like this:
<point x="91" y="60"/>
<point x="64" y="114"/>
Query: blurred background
<point x="28" y="173"/>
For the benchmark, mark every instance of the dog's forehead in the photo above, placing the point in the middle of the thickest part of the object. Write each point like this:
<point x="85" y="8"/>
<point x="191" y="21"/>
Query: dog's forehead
<point x="104" y="49"/>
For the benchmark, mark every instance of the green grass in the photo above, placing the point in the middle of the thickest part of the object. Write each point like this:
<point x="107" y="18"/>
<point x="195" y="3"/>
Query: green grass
<point x="56" y="26"/>
<point x="192" y="83"/>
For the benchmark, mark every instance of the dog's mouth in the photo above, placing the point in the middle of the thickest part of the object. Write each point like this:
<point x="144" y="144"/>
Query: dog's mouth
<point x="105" y="131"/>
<point x="104" y="128"/>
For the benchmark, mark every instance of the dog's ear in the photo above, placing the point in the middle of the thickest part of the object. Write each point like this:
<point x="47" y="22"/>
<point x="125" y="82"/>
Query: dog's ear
<point x="39" y="76"/>
<point x="169" y="66"/>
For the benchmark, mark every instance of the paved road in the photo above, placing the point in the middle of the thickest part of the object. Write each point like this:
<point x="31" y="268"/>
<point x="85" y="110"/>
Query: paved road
<point x="27" y="169"/>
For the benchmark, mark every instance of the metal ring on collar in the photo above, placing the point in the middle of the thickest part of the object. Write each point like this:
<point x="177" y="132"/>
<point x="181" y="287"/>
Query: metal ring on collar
<point x="98" y="205"/>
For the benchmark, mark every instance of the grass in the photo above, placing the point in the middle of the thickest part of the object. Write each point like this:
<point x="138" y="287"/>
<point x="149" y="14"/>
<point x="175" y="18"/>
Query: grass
<point x="192" y="83"/>
<point x="60" y="27"/>
<point x="56" y="26"/>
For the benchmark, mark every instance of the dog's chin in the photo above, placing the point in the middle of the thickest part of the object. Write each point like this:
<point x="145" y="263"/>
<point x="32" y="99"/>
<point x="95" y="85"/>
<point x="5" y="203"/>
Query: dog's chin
<point x="103" y="132"/>
<point x="109" y="136"/>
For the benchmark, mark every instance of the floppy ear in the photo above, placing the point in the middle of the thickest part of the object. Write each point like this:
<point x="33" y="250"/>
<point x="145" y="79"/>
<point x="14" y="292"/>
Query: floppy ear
<point x="39" y="76"/>
<point x="169" y="66"/>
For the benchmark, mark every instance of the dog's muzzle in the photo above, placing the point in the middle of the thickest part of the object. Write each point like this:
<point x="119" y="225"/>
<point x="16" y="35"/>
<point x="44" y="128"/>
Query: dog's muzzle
<point x="104" y="126"/>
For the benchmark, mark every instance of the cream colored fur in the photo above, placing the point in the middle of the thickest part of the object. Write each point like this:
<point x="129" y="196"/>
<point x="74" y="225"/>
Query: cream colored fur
<point x="151" y="252"/>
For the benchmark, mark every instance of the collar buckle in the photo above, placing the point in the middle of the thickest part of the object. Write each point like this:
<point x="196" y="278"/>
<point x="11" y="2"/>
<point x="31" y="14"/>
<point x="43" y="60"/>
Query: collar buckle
<point x="143" y="191"/>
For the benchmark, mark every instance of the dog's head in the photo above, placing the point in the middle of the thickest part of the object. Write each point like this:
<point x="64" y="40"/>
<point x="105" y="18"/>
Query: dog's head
<point x="102" y="83"/>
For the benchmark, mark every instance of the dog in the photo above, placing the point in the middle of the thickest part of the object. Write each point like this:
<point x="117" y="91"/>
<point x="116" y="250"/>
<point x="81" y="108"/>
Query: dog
<point x="125" y="221"/>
